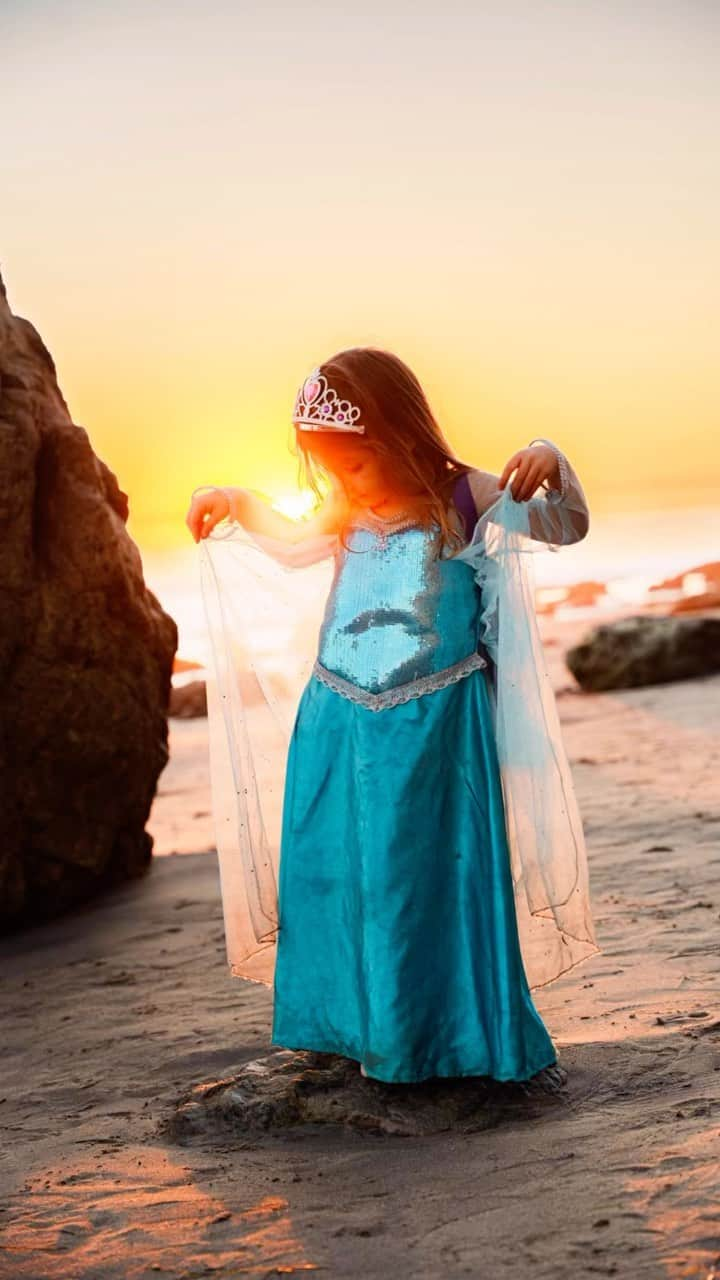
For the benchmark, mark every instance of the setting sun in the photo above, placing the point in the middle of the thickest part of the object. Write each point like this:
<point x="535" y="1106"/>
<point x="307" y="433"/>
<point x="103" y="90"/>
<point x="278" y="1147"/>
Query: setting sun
<point x="295" y="505"/>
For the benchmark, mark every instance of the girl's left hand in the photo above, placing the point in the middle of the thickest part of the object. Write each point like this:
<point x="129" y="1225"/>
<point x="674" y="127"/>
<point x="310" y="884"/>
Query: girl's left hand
<point x="534" y="464"/>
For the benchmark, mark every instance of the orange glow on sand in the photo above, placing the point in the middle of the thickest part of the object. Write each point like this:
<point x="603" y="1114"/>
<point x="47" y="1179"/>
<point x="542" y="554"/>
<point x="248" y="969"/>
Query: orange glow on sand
<point x="85" y="1218"/>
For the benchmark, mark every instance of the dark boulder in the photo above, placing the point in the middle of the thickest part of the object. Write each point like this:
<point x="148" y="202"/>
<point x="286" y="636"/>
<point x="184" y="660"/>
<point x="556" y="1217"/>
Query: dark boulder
<point x="188" y="701"/>
<point x="86" y="653"/>
<point x="643" y="650"/>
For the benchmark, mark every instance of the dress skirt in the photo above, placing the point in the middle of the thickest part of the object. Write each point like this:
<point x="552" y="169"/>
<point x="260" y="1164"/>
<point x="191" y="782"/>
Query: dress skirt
<point x="398" y="942"/>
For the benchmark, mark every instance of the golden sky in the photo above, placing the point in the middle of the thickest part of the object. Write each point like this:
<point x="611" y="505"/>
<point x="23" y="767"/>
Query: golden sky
<point x="519" y="198"/>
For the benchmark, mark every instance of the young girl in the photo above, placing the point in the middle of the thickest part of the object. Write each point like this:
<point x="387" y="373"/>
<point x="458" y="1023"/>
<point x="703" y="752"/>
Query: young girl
<point x="431" y="856"/>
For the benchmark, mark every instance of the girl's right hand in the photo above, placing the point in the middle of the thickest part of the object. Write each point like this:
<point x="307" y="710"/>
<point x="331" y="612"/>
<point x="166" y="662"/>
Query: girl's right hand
<point x="207" y="510"/>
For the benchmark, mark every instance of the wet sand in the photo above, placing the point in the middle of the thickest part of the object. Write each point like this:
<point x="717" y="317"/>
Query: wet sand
<point x="111" y="1014"/>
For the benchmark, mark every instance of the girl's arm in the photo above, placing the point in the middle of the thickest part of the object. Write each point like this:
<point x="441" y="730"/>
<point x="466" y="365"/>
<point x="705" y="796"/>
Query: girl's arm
<point x="294" y="544"/>
<point x="212" y="503"/>
<point x="257" y="516"/>
<point x="561" y="516"/>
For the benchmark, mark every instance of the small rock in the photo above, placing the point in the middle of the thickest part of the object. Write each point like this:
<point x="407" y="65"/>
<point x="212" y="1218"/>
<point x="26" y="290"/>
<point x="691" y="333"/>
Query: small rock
<point x="290" y="1088"/>
<point x="188" y="701"/>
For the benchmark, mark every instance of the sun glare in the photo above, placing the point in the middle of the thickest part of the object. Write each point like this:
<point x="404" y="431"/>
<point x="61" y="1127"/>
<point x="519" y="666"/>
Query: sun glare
<point x="295" y="505"/>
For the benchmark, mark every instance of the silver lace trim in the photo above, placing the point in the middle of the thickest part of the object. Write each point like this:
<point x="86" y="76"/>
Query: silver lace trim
<point x="401" y="692"/>
<point x="384" y="529"/>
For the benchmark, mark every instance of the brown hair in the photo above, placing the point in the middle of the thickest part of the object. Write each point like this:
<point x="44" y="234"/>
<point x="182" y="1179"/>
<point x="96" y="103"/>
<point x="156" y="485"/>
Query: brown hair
<point x="399" y="426"/>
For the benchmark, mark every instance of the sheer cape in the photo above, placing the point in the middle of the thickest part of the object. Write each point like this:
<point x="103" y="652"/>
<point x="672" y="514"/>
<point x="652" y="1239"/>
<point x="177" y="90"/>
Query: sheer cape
<point x="264" y="601"/>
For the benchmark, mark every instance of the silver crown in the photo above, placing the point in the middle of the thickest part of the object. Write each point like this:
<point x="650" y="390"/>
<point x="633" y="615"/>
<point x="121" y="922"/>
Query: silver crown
<point x="318" y="408"/>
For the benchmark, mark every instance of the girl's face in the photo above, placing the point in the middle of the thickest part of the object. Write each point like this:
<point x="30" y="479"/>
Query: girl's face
<point x="363" y="475"/>
<point x="359" y="469"/>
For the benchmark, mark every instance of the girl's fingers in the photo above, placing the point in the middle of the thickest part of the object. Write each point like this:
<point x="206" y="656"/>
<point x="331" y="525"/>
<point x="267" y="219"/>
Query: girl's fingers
<point x="529" y="474"/>
<point x="531" y="481"/>
<point x="509" y="467"/>
<point x="195" y="519"/>
<point x="530" y="470"/>
<point x="198" y="524"/>
<point x="213" y="516"/>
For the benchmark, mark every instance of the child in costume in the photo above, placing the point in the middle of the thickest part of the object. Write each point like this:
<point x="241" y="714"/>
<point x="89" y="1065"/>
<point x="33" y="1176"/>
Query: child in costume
<point x="432" y="867"/>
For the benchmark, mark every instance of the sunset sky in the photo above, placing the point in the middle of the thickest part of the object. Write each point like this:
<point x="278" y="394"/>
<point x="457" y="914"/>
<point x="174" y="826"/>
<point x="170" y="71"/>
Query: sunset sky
<point x="519" y="198"/>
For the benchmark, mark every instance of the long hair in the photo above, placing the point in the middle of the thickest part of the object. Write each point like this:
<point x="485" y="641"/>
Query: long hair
<point x="400" y="428"/>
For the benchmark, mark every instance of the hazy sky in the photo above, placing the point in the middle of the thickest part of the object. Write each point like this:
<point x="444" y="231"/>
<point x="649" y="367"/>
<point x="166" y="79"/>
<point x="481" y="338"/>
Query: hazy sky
<point x="521" y="199"/>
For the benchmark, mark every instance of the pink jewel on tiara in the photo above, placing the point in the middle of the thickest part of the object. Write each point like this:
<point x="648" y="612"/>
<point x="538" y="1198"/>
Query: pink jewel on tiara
<point x="318" y="407"/>
<point x="311" y="390"/>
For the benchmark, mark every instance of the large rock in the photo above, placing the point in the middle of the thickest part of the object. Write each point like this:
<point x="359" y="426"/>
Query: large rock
<point x="86" y="653"/>
<point x="646" y="650"/>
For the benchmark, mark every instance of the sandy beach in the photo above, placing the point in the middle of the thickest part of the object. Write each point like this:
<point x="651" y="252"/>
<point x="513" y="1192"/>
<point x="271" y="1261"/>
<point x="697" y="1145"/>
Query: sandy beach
<point x="115" y="1011"/>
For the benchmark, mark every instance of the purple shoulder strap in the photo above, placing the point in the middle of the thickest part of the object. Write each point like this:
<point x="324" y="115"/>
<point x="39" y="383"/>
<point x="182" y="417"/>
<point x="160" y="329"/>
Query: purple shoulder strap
<point x="465" y="503"/>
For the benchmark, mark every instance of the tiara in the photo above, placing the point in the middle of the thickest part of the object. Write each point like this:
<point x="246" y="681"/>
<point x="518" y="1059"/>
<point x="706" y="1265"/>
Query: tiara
<point x="318" y="408"/>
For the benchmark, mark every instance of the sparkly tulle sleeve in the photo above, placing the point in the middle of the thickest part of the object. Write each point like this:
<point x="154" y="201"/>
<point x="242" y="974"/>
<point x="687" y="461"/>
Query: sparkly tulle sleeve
<point x="549" y="859"/>
<point x="263" y="601"/>
<point x="557" y="517"/>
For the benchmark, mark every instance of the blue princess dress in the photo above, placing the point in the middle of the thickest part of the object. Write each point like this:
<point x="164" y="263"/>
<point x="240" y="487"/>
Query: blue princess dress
<point x="400" y="851"/>
<point x="398" y="943"/>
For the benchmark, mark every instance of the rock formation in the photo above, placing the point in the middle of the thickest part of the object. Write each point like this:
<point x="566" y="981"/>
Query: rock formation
<point x="697" y="603"/>
<point x="86" y="653"/>
<point x="710" y="572"/>
<point x="646" y="650"/>
<point x="188" y="701"/>
<point x="289" y="1089"/>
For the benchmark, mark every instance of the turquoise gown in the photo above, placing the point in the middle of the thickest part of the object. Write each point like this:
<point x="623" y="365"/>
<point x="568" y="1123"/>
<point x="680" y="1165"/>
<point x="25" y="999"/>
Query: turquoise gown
<point x="398" y="942"/>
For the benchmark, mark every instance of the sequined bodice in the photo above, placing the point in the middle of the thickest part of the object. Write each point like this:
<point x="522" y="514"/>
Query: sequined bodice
<point x="396" y="613"/>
